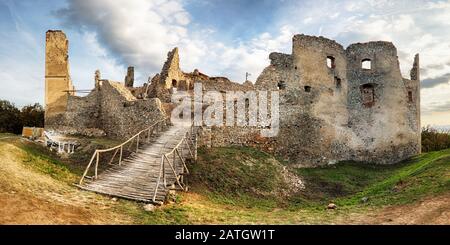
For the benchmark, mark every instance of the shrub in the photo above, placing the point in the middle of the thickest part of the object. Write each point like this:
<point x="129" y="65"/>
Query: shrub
<point x="12" y="120"/>
<point x="434" y="140"/>
<point x="9" y="118"/>
<point x="32" y="116"/>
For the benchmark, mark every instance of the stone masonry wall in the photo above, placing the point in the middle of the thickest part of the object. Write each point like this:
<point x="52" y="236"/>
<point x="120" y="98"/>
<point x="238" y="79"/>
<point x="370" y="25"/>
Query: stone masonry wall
<point x="122" y="115"/>
<point x="324" y="115"/>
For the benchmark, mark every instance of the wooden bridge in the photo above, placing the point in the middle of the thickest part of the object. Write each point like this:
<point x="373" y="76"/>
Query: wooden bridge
<point x="146" y="166"/>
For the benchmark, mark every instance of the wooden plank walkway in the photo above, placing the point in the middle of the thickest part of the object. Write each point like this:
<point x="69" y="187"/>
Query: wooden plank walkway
<point x="137" y="177"/>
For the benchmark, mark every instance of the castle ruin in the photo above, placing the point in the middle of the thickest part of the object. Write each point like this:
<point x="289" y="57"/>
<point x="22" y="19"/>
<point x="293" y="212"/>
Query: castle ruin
<point x="336" y="104"/>
<point x="344" y="104"/>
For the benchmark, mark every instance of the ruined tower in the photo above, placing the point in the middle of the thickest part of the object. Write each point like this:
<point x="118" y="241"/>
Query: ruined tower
<point x="129" y="78"/>
<point x="383" y="106"/>
<point x="171" y="77"/>
<point x="58" y="85"/>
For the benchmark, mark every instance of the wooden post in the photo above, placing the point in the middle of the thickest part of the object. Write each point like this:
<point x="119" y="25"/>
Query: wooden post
<point x="96" y="165"/>
<point x="174" y="172"/>
<point x="159" y="178"/>
<point x="189" y="147"/>
<point x="164" y="170"/>
<point x="112" y="159"/>
<point x="87" y="168"/>
<point x="195" y="147"/>
<point x="183" y="162"/>
<point x="120" y="158"/>
<point x="174" y="164"/>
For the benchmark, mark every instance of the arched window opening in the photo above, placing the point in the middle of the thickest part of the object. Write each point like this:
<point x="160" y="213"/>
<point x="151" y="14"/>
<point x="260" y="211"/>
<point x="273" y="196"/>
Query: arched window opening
<point x="410" y="96"/>
<point x="174" y="83"/>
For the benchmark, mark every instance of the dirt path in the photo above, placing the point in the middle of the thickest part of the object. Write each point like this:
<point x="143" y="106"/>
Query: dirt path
<point x="30" y="197"/>
<point x="432" y="210"/>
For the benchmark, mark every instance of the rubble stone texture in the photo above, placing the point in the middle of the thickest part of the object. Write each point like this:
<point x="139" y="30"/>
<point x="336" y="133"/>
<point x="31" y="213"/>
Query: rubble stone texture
<point x="332" y="109"/>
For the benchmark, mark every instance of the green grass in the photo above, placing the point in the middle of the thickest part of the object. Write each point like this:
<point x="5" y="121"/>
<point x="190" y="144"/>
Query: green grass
<point x="348" y="183"/>
<point x="242" y="185"/>
<point x="57" y="171"/>
<point x="428" y="174"/>
<point x="224" y="175"/>
<point x="41" y="159"/>
<point x="237" y="176"/>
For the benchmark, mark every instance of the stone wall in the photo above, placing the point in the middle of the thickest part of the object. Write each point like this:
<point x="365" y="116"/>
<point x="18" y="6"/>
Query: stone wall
<point x="332" y="109"/>
<point x="110" y="110"/>
<point x="385" y="128"/>
<point x="122" y="115"/>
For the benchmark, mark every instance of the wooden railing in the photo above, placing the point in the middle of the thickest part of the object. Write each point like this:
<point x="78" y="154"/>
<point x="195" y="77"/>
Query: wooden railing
<point x="176" y="157"/>
<point x="134" y="142"/>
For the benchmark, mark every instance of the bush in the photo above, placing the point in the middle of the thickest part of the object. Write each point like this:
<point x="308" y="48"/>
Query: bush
<point x="12" y="120"/>
<point x="433" y="140"/>
<point x="32" y="116"/>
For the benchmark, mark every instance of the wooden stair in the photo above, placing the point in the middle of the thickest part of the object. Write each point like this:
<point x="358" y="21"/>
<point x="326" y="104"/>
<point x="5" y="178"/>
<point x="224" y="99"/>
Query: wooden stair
<point x="138" y="175"/>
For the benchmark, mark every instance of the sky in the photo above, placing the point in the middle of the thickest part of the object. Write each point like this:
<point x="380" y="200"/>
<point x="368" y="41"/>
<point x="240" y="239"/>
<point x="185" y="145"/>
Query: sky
<point x="218" y="37"/>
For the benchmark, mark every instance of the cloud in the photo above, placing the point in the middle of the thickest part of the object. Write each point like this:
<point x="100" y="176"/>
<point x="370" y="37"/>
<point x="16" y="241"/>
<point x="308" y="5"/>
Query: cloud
<point x="140" y="33"/>
<point x="413" y="26"/>
<point x="440" y="107"/>
<point x="433" y="82"/>
<point x="19" y="54"/>
<point x="111" y="35"/>
<point x="437" y="98"/>
<point x="137" y="33"/>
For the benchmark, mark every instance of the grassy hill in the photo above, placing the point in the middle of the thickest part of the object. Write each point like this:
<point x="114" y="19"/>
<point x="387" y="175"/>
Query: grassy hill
<point x="353" y="184"/>
<point x="231" y="186"/>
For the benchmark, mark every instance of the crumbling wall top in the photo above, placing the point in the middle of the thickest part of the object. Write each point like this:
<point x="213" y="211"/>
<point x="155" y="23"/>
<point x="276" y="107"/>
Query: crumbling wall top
<point x="122" y="90"/>
<point x="280" y="60"/>
<point x="372" y="47"/>
<point x="301" y="40"/>
<point x="55" y="31"/>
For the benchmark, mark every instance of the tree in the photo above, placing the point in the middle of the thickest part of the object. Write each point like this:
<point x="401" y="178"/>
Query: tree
<point x="10" y="120"/>
<point x="433" y="140"/>
<point x="32" y="116"/>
